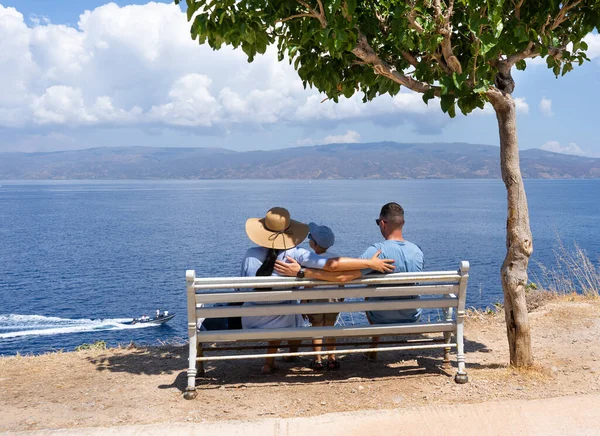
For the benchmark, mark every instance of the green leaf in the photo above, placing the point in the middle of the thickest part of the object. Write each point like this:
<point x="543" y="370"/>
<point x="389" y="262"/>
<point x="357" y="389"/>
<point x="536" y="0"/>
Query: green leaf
<point x="428" y="95"/>
<point x="446" y="102"/>
<point x="556" y="70"/>
<point x="566" y="68"/>
<point x="452" y="111"/>
<point x="521" y="65"/>
<point x="199" y="26"/>
<point x="488" y="42"/>
<point x="351" y="7"/>
<point x="192" y="7"/>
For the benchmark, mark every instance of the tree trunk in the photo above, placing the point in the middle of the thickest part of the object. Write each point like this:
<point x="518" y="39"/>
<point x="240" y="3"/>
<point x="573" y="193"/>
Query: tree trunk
<point x="519" y="244"/>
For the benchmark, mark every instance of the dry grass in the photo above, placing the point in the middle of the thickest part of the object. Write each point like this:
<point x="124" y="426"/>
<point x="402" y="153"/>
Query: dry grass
<point x="573" y="273"/>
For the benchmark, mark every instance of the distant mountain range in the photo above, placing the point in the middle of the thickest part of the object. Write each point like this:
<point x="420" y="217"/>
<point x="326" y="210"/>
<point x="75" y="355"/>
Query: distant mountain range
<point x="381" y="160"/>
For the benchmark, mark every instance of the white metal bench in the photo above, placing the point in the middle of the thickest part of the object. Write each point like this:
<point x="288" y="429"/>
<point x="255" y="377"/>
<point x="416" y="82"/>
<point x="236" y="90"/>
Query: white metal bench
<point x="445" y="290"/>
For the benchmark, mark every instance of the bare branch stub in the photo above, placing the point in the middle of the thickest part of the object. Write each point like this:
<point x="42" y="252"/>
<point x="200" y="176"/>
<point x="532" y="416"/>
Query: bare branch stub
<point x="518" y="9"/>
<point x="445" y="30"/>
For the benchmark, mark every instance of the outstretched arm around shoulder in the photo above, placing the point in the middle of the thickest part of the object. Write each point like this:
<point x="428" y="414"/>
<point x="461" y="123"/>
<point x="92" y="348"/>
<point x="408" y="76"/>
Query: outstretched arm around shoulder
<point x="291" y="268"/>
<point x="372" y="262"/>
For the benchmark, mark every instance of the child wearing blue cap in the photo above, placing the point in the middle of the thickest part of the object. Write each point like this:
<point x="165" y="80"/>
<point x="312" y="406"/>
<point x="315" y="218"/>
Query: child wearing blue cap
<point x="321" y="238"/>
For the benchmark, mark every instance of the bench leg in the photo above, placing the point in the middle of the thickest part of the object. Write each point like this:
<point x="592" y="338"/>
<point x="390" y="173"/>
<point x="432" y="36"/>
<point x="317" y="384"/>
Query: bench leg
<point x="461" y="375"/>
<point x="447" y="339"/>
<point x="190" y="391"/>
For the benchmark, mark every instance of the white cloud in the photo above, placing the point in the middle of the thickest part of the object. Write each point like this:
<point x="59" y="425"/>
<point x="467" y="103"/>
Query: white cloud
<point x="191" y="103"/>
<point x="136" y="65"/>
<point x="555" y="147"/>
<point x="593" y="42"/>
<point x="546" y="107"/>
<point x="350" y="136"/>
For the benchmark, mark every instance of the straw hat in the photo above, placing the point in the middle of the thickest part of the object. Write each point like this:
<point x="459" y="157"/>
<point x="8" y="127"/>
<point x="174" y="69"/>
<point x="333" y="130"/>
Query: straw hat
<point x="276" y="230"/>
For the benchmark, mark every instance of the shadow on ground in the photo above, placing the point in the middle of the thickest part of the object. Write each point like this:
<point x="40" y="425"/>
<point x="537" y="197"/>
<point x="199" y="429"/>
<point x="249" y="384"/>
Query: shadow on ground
<point x="150" y="360"/>
<point x="173" y="360"/>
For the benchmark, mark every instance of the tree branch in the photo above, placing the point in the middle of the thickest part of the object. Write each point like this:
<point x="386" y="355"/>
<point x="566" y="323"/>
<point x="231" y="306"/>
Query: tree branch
<point x="320" y="15"/>
<point x="410" y="58"/>
<point x="562" y="14"/>
<point x="365" y="52"/>
<point x="383" y="25"/>
<point x="446" y="32"/>
<point x="283" y="20"/>
<point x="439" y="58"/>
<point x="411" y="19"/>
<point x="518" y="9"/>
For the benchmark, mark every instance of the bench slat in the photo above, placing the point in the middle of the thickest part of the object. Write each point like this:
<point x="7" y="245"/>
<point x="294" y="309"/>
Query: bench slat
<point x="320" y="332"/>
<point x="232" y="296"/>
<point x="277" y="281"/>
<point x="315" y="353"/>
<point x="324" y="307"/>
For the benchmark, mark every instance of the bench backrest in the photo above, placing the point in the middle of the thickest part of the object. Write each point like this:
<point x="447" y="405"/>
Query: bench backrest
<point x="445" y="289"/>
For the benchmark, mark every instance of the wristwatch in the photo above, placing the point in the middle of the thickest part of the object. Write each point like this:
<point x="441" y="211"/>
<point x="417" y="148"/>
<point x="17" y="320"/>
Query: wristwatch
<point x="300" y="274"/>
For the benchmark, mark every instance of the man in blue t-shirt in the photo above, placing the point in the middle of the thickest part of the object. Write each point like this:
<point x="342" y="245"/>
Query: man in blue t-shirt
<point x="407" y="256"/>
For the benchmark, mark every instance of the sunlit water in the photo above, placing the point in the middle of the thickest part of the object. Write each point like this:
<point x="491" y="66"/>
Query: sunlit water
<point x="78" y="258"/>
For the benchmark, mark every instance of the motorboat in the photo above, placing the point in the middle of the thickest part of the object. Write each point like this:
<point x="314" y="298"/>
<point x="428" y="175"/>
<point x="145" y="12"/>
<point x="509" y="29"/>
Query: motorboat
<point x="161" y="318"/>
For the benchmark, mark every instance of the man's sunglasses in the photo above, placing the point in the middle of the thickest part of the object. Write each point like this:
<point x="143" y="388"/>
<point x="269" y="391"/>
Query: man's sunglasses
<point x="378" y="220"/>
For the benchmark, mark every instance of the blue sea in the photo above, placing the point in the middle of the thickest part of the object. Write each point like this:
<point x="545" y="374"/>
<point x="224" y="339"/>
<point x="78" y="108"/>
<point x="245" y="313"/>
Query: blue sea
<point x="77" y="258"/>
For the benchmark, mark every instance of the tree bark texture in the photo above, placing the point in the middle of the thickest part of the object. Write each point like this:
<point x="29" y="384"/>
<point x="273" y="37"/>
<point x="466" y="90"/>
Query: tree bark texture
<point x="519" y="245"/>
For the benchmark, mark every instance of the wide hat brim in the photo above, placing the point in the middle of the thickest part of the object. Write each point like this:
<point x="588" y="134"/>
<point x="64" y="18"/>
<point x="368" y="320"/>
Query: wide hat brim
<point x="260" y="235"/>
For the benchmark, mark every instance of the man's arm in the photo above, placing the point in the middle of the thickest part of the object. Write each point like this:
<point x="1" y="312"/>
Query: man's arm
<point x="291" y="268"/>
<point x="312" y="260"/>
<point x="349" y="264"/>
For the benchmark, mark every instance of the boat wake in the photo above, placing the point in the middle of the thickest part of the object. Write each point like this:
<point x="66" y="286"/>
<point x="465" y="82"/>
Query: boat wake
<point x="16" y="326"/>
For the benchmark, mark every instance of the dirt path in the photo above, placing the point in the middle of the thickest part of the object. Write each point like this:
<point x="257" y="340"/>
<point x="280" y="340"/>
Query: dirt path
<point x="546" y="417"/>
<point x="143" y="386"/>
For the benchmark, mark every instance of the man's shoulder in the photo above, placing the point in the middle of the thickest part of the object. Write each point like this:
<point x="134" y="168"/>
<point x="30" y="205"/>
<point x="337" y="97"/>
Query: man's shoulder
<point x="405" y="246"/>
<point x="413" y="246"/>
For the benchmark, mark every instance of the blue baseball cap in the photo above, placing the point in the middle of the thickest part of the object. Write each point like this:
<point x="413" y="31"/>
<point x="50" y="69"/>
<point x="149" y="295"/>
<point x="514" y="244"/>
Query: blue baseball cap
<point x="322" y="235"/>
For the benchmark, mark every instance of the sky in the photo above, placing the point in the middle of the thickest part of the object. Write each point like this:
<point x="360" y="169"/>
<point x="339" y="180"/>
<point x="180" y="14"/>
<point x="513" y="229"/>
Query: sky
<point x="86" y="73"/>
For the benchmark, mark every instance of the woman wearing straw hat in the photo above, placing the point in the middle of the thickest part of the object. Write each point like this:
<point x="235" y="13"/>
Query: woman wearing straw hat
<point x="277" y="237"/>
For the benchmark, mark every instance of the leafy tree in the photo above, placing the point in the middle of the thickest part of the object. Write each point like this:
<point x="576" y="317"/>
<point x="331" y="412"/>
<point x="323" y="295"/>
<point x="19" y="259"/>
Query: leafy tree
<point x="460" y="51"/>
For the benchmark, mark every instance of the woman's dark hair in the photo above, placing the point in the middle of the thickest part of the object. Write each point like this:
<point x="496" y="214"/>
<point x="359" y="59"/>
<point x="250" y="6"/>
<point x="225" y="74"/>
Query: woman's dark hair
<point x="266" y="269"/>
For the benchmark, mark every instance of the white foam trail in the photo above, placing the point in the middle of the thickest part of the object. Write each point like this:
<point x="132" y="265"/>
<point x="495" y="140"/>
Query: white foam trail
<point x="37" y="325"/>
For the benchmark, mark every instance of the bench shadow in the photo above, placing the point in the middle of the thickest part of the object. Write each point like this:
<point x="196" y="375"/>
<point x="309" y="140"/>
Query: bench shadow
<point x="173" y="360"/>
<point x="149" y="361"/>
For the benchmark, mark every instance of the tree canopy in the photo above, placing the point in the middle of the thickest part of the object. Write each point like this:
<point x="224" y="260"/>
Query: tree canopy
<point x="456" y="50"/>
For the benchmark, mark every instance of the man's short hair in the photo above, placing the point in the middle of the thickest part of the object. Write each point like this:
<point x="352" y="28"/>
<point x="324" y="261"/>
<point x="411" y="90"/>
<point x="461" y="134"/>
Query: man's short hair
<point x="393" y="214"/>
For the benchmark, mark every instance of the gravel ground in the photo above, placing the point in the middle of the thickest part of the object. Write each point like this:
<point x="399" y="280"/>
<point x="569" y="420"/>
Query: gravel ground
<point x="129" y="386"/>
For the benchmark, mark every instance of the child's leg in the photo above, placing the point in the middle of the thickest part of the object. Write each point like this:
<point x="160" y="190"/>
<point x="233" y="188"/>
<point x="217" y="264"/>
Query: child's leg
<point x="317" y="346"/>
<point x="330" y="322"/>
<point x="316" y="320"/>
<point x="372" y="355"/>
<point x="294" y="345"/>
<point x="270" y="365"/>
